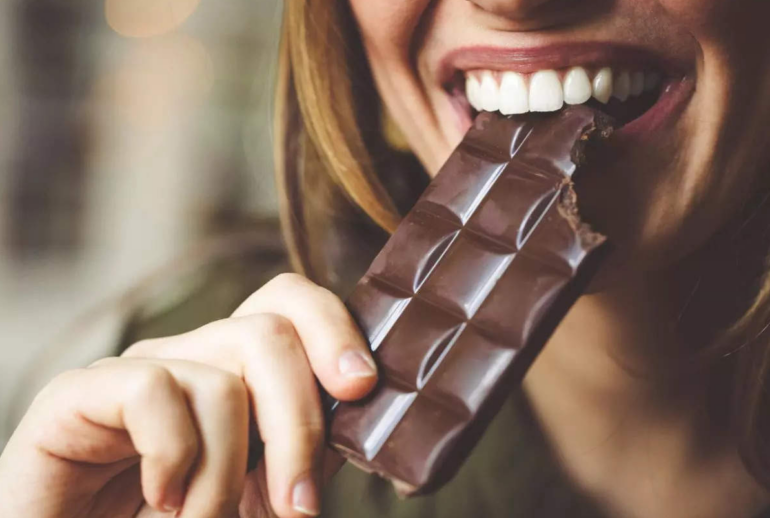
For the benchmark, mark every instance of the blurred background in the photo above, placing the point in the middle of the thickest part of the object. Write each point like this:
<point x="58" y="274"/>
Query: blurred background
<point x="130" y="132"/>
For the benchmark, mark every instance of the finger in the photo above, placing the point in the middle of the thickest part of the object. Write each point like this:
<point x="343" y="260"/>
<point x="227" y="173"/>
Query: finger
<point x="289" y="417"/>
<point x="266" y="350"/>
<point x="120" y="496"/>
<point x="220" y="405"/>
<point x="254" y="503"/>
<point x="333" y="343"/>
<point x="91" y="404"/>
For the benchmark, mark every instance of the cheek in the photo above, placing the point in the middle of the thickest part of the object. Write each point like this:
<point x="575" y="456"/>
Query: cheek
<point x="392" y="33"/>
<point x="694" y="10"/>
<point x="388" y="24"/>
<point x="706" y="19"/>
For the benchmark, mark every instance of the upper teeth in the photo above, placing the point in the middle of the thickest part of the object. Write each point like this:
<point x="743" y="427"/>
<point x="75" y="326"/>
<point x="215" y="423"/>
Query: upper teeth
<point x="548" y="90"/>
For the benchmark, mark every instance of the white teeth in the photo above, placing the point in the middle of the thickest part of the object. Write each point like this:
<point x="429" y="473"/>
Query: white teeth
<point x="651" y="81"/>
<point x="603" y="85"/>
<point x="577" y="86"/>
<point x="514" y="95"/>
<point x="545" y="92"/>
<point x="622" y="87"/>
<point x="637" y="83"/>
<point x="489" y="93"/>
<point x="472" y="87"/>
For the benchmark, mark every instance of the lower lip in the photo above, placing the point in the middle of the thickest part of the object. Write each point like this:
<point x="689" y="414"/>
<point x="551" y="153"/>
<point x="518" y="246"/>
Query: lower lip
<point x="671" y="103"/>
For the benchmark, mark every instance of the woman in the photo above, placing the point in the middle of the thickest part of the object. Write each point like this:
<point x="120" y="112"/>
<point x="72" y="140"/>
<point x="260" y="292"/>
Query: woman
<point x="651" y="395"/>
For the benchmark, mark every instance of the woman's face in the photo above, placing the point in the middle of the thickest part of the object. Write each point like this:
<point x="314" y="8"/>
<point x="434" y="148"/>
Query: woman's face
<point x="693" y="141"/>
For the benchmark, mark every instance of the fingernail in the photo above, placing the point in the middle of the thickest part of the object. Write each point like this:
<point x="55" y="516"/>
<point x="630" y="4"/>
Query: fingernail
<point x="173" y="505"/>
<point x="176" y="512"/>
<point x="305" y="499"/>
<point x="355" y="364"/>
<point x="173" y="502"/>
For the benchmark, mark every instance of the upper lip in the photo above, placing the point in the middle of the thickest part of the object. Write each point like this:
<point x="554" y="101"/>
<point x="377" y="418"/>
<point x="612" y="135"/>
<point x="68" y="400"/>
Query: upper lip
<point x="557" y="56"/>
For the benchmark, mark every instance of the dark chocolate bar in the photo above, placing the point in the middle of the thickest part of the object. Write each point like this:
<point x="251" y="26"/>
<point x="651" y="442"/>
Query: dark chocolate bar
<point x="466" y="293"/>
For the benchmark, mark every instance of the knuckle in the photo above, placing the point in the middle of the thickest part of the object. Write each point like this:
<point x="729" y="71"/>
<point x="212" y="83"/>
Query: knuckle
<point x="330" y="297"/>
<point x="290" y="280"/>
<point x="252" y="334"/>
<point x="307" y="432"/>
<point x="311" y="430"/>
<point x="150" y="380"/>
<point x="179" y="451"/>
<point x="153" y="496"/>
<point x="227" y="387"/>
<point x="172" y="455"/>
<point x="272" y="325"/>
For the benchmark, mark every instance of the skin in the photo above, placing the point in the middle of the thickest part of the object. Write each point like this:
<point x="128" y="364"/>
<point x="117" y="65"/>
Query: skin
<point x="166" y="426"/>
<point x="630" y="428"/>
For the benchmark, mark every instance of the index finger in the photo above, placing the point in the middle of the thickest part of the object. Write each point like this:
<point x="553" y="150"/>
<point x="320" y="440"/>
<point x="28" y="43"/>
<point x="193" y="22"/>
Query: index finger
<point x="338" y="353"/>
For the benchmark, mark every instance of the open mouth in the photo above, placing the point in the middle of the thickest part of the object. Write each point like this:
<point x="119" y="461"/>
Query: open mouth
<point x="639" y="96"/>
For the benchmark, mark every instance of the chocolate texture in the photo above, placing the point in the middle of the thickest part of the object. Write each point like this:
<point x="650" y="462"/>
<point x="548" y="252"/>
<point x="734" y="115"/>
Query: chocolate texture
<point x="466" y="293"/>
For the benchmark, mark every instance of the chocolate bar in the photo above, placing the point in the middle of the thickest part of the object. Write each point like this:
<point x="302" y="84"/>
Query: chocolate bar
<point x="466" y="293"/>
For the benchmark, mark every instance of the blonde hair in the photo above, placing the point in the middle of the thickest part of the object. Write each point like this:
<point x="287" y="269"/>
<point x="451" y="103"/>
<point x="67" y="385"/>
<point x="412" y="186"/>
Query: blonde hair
<point x="324" y="166"/>
<point x="315" y="109"/>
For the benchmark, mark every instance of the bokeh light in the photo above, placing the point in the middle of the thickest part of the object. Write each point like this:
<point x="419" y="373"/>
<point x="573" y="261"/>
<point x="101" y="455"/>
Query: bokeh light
<point x="159" y="80"/>
<point x="125" y="145"/>
<point x="146" y="18"/>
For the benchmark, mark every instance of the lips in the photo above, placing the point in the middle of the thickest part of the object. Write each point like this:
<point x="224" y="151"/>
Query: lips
<point x="629" y="84"/>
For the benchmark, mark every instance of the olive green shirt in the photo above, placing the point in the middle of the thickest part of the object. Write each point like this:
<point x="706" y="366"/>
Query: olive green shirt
<point x="511" y="473"/>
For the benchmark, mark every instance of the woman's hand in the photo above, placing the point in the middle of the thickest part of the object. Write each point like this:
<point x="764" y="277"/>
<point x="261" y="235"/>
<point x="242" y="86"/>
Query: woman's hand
<point x="165" y="428"/>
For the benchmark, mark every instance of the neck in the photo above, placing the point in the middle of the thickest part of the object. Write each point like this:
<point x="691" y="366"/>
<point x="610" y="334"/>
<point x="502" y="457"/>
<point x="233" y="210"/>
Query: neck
<point x="628" y="418"/>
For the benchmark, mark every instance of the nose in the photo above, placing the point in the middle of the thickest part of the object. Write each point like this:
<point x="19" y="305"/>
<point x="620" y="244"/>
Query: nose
<point x="514" y="9"/>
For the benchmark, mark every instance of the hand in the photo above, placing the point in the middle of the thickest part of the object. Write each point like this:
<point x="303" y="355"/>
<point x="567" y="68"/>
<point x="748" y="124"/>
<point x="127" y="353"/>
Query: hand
<point x="165" y="428"/>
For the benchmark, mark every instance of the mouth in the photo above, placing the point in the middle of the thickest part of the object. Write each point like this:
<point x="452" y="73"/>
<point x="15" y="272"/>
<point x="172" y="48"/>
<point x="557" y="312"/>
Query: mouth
<point x="638" y="90"/>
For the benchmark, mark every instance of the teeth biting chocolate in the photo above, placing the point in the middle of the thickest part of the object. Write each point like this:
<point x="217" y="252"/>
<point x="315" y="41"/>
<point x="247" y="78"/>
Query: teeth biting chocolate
<point x="467" y="292"/>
